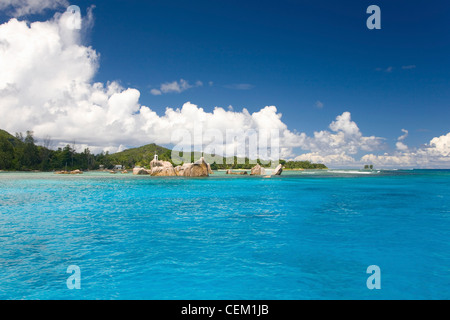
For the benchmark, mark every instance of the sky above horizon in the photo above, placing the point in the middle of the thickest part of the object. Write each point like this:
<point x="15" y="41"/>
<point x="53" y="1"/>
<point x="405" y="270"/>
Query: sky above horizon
<point x="338" y="92"/>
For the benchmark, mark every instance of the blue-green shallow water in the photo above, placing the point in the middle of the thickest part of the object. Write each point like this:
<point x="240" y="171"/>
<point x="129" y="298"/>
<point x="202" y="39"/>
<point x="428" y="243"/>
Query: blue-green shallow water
<point x="307" y="235"/>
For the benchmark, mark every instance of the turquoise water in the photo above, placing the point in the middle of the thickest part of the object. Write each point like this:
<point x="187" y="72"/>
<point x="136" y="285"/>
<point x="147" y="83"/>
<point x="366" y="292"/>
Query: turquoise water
<point x="303" y="235"/>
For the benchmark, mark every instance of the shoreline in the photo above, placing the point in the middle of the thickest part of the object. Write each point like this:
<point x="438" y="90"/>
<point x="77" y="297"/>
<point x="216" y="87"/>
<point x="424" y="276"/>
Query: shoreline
<point x="240" y="170"/>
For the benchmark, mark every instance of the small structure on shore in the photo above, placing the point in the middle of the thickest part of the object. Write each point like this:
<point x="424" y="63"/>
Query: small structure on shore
<point x="200" y="168"/>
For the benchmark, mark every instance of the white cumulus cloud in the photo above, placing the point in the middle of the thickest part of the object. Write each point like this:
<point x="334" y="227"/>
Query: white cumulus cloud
<point x="175" y="87"/>
<point x="46" y="85"/>
<point x="19" y="8"/>
<point x="435" y="154"/>
<point x="344" y="137"/>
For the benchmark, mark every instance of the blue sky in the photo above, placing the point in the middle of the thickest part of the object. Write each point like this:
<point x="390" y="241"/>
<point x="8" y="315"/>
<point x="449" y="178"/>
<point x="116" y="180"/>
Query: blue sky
<point x="292" y="54"/>
<point x="313" y="60"/>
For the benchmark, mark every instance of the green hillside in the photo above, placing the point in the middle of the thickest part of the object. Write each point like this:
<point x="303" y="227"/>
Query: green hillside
<point x="23" y="153"/>
<point x="17" y="152"/>
<point x="5" y="136"/>
<point x="139" y="156"/>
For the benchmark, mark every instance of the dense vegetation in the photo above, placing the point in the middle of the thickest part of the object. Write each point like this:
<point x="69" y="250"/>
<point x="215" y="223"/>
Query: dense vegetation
<point x="286" y="164"/>
<point x="302" y="165"/>
<point x="137" y="156"/>
<point x="22" y="153"/>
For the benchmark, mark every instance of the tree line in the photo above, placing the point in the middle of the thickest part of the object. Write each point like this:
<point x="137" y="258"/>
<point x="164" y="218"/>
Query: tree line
<point x="286" y="164"/>
<point x="22" y="153"/>
<point x="302" y="165"/>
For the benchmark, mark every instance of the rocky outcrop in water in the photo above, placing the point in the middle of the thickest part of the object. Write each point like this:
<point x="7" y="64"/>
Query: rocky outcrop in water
<point x="236" y="173"/>
<point x="200" y="168"/>
<point x="258" y="171"/>
<point x="159" y="168"/>
<point x="179" y="170"/>
<point x="141" y="171"/>
<point x="69" y="172"/>
<point x="278" y="170"/>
